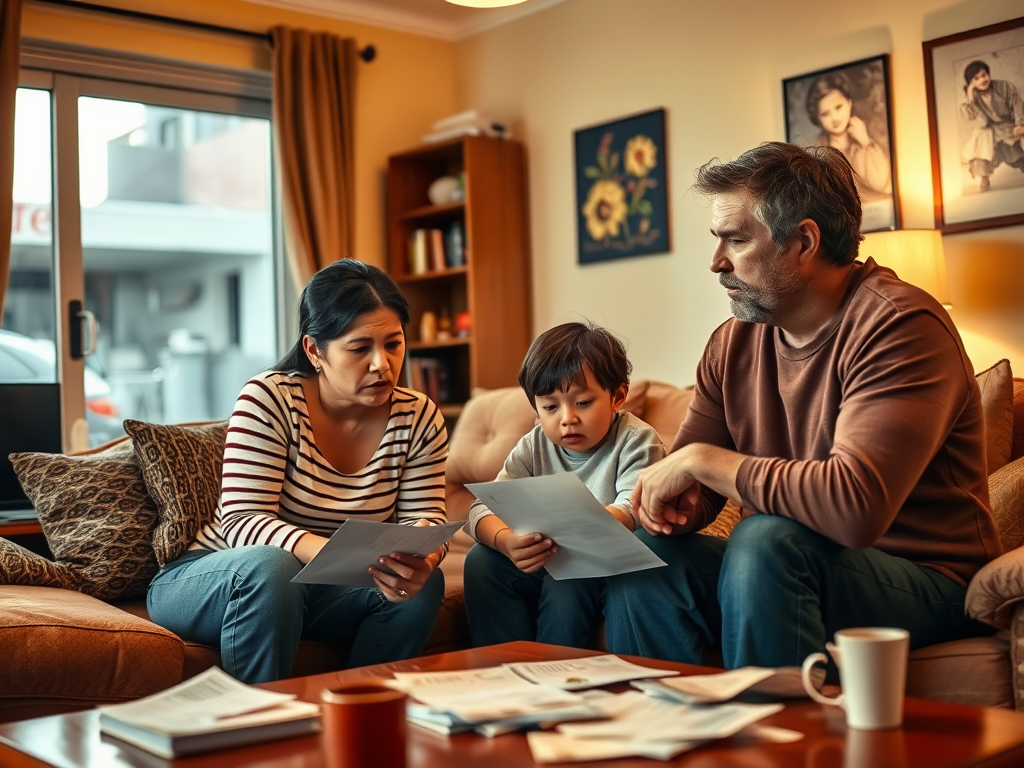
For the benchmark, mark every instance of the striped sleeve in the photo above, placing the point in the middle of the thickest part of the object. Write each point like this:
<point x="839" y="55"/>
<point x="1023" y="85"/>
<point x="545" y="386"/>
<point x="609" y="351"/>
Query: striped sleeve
<point x="256" y="454"/>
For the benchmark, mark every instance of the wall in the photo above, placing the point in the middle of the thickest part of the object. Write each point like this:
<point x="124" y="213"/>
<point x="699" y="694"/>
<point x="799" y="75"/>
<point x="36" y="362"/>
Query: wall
<point x="410" y="85"/>
<point x="718" y="69"/>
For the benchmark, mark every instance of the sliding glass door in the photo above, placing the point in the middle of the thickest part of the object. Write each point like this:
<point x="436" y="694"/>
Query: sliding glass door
<point x="145" y="274"/>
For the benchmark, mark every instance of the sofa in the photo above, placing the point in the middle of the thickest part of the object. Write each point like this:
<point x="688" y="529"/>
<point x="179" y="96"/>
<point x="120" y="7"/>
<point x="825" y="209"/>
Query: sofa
<point x="65" y="650"/>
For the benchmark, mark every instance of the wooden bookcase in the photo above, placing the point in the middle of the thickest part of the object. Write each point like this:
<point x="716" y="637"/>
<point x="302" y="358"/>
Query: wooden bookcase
<point x="493" y="283"/>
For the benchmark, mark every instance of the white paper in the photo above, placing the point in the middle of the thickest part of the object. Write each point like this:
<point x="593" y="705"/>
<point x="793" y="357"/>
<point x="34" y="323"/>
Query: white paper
<point x="589" y="672"/>
<point x="755" y="683"/>
<point x="547" y="747"/>
<point x="359" y="544"/>
<point x="648" y="718"/>
<point x="591" y="543"/>
<point x="493" y="693"/>
<point x="200" y="700"/>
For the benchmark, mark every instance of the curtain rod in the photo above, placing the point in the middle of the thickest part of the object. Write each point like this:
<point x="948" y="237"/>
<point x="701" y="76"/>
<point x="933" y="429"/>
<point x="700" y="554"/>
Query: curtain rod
<point x="367" y="54"/>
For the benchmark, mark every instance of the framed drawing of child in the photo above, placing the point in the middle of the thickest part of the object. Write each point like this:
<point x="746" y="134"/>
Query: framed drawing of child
<point x="974" y="82"/>
<point x="847" y="107"/>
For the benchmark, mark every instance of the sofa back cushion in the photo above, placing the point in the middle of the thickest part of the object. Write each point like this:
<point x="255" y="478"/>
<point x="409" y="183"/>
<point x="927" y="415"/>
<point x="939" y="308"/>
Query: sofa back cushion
<point x="493" y="421"/>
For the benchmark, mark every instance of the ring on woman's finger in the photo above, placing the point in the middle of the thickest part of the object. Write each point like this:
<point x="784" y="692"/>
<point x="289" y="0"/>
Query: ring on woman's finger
<point x="403" y="593"/>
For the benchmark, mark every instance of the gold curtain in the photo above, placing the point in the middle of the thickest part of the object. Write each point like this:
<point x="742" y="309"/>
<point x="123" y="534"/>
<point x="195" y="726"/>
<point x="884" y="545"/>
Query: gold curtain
<point x="313" y="126"/>
<point x="10" y="55"/>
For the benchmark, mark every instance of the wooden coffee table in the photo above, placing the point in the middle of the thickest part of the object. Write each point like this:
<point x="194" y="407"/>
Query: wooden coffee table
<point x="935" y="735"/>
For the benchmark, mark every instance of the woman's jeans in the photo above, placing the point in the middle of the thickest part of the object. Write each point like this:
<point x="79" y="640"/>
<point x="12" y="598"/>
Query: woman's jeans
<point x="771" y="594"/>
<point x="505" y="604"/>
<point x="243" y="601"/>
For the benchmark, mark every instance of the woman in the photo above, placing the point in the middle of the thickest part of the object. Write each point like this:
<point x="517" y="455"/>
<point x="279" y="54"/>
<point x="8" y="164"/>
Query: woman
<point x="830" y="107"/>
<point x="324" y="436"/>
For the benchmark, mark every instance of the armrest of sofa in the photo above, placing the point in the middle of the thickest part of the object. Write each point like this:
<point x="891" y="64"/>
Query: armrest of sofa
<point x="997" y="589"/>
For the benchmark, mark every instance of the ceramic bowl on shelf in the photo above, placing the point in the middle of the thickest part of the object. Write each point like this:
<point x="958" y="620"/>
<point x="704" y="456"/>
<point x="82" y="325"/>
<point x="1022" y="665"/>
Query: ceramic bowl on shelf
<point x="444" y="190"/>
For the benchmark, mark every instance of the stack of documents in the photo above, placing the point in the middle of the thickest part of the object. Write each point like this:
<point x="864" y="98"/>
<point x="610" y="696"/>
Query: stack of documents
<point x="511" y="697"/>
<point x="209" y="711"/>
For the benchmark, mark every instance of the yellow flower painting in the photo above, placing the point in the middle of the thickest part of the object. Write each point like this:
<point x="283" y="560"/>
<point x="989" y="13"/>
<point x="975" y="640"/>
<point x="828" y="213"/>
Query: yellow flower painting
<point x="605" y="209"/>
<point x="621" y="188"/>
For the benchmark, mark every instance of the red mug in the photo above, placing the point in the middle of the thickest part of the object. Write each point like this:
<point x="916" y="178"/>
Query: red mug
<point x="364" y="725"/>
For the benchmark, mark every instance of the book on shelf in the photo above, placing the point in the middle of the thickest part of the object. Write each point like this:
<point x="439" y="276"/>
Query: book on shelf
<point x="429" y="376"/>
<point x="208" y="712"/>
<point x="419" y="252"/>
<point x="437" y="253"/>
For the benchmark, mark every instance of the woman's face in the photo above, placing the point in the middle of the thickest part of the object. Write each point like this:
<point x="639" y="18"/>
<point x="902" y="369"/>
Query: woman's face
<point x="981" y="81"/>
<point x="834" y="112"/>
<point x="362" y="366"/>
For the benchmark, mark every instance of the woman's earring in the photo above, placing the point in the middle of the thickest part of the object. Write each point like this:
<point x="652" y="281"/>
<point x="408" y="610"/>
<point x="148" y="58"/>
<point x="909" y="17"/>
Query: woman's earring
<point x="317" y="368"/>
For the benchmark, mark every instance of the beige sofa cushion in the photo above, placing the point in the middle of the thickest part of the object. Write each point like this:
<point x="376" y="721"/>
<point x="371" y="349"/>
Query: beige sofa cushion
<point x="62" y="649"/>
<point x="972" y="671"/>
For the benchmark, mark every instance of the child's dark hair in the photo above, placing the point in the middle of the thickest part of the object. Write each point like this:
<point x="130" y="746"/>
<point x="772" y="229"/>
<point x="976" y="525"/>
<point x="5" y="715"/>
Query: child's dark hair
<point x="556" y="358"/>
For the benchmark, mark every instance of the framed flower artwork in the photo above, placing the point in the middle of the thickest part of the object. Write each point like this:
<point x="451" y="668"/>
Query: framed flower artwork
<point x="622" y="188"/>
<point x="847" y="107"/>
<point x="974" y="82"/>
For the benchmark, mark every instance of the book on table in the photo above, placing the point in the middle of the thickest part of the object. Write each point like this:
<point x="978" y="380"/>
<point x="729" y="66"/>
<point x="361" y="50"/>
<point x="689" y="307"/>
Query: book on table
<point x="208" y="712"/>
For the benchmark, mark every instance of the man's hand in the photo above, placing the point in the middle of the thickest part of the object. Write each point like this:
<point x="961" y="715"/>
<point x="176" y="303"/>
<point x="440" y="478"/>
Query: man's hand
<point x="665" y="495"/>
<point x="529" y="553"/>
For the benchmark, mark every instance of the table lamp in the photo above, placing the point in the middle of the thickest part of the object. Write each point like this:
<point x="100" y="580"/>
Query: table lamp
<point x="915" y="255"/>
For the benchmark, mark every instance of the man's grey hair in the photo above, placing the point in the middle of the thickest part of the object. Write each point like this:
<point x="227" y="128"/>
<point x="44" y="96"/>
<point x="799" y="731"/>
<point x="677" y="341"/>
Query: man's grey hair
<point x="790" y="184"/>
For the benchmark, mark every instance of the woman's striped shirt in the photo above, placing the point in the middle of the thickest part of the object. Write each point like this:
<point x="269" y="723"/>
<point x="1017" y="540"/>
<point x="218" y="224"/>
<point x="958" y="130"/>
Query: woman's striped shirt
<point x="276" y="486"/>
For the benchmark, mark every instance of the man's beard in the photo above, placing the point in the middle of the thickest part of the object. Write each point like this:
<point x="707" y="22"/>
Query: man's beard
<point x="759" y="304"/>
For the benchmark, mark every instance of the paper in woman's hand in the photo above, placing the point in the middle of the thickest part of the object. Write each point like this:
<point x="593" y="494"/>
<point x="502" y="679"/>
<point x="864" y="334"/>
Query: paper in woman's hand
<point x="590" y="541"/>
<point x="358" y="544"/>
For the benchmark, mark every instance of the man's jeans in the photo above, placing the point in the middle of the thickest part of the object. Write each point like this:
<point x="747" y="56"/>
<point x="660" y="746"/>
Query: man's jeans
<point x="771" y="594"/>
<point x="505" y="604"/>
<point x="243" y="601"/>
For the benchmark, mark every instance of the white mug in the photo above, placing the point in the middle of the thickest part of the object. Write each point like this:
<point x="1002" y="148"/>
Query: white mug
<point x="872" y="665"/>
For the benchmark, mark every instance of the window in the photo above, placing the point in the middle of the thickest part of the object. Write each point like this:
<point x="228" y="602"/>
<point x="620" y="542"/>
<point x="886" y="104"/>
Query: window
<point x="142" y="191"/>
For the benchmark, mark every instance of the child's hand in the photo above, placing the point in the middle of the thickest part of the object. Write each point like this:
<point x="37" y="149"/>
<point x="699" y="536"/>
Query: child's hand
<point x="529" y="553"/>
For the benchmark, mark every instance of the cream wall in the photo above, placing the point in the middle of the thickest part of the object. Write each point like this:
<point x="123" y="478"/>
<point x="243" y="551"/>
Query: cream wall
<point x="717" y="68"/>
<point x="410" y="84"/>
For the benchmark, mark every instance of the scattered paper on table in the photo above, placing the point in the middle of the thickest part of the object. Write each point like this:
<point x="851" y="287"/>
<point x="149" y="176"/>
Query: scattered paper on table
<point x="358" y="544"/>
<point x="591" y="543"/>
<point x="588" y="672"/>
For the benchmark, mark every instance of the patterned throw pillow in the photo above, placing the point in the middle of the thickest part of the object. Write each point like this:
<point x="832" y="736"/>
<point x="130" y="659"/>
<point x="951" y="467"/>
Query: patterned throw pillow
<point x="20" y="566"/>
<point x="96" y="515"/>
<point x="181" y="467"/>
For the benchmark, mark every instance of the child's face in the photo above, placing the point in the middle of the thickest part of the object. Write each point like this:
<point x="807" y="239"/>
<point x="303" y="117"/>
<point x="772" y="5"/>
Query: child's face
<point x="982" y="81"/>
<point x="579" y="419"/>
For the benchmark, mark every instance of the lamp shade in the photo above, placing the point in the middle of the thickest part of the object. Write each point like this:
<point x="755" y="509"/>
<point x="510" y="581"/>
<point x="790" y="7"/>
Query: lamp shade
<point x="915" y="255"/>
<point x="485" y="3"/>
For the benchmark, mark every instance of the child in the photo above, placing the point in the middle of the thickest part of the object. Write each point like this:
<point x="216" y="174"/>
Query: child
<point x="999" y="138"/>
<point x="576" y="376"/>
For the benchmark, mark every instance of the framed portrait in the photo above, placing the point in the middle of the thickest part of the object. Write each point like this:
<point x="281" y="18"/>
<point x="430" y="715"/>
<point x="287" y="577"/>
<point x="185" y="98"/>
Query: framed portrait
<point x="847" y="107"/>
<point x="622" y="188"/>
<point x="974" y="82"/>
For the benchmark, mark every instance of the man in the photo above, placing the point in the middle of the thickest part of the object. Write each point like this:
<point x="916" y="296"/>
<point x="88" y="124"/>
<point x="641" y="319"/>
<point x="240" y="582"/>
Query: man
<point x="840" y="409"/>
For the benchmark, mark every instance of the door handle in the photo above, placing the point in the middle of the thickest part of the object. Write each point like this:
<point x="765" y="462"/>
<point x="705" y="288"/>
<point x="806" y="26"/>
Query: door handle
<point x="79" y="320"/>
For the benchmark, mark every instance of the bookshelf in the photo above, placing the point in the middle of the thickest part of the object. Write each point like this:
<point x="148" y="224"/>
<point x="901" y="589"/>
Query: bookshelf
<point x="490" y="280"/>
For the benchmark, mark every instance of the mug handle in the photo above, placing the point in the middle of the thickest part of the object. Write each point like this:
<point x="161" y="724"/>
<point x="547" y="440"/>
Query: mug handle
<point x="805" y="675"/>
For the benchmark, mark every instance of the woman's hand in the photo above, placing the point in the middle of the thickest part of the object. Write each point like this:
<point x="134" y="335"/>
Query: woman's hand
<point x="529" y="553"/>
<point x="408" y="572"/>
<point x="858" y="131"/>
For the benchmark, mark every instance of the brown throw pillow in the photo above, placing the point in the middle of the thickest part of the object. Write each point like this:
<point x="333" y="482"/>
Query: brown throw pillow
<point x="1006" y="489"/>
<point x="20" y="566"/>
<point x="96" y="515"/>
<point x="996" y="385"/>
<point x="181" y="467"/>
